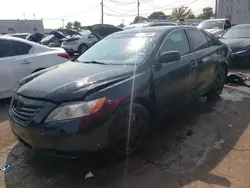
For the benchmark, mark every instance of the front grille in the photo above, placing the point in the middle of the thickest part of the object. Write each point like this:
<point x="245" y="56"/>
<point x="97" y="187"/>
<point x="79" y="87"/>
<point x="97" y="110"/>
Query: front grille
<point x="22" y="112"/>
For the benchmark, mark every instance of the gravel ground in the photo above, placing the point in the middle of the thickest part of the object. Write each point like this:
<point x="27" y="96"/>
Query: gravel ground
<point x="207" y="144"/>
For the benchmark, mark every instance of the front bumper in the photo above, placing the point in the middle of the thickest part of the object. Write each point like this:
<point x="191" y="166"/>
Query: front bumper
<point x="70" y="48"/>
<point x="88" y="133"/>
<point x="40" y="139"/>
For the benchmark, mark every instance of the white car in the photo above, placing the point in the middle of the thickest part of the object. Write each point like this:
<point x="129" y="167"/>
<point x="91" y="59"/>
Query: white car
<point x="80" y="43"/>
<point x="216" y="26"/>
<point x="20" y="58"/>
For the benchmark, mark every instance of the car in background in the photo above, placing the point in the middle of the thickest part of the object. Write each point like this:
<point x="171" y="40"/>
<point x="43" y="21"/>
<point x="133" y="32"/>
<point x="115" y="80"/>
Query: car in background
<point x="137" y="26"/>
<point x="162" y="23"/>
<point x="238" y="39"/>
<point x="55" y="38"/>
<point x="20" y="35"/>
<point x="88" y="37"/>
<point x="20" y="58"/>
<point x="132" y="77"/>
<point x="216" y="26"/>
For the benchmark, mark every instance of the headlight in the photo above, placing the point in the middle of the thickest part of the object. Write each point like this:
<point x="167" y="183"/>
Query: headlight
<point x="71" y="43"/>
<point x="74" y="110"/>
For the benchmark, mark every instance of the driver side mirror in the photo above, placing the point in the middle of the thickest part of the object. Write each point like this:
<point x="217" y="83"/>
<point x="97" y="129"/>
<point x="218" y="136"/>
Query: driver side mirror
<point x="170" y="56"/>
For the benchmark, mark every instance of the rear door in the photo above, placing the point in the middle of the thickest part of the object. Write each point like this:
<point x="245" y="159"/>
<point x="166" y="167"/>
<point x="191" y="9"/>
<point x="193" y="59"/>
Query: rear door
<point x="7" y="76"/>
<point x="15" y="64"/>
<point x="172" y="80"/>
<point x="203" y="54"/>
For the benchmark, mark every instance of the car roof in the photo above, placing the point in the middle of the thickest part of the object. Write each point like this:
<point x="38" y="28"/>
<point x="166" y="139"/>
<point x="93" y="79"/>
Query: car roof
<point x="159" y="29"/>
<point x="242" y="25"/>
<point x="218" y="19"/>
<point x="23" y="41"/>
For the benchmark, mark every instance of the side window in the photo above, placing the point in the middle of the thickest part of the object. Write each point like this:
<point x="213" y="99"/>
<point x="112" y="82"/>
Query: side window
<point x="211" y="40"/>
<point x="19" y="48"/>
<point x="4" y="48"/>
<point x="198" y="39"/>
<point x="176" y="41"/>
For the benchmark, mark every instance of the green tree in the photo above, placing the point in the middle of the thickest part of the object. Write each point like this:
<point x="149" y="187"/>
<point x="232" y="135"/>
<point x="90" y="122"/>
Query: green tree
<point x="207" y="13"/>
<point x="69" y="25"/>
<point x="181" y="13"/>
<point x="191" y="16"/>
<point x="157" y="16"/>
<point x="139" y="19"/>
<point x="121" y="25"/>
<point x="77" y="25"/>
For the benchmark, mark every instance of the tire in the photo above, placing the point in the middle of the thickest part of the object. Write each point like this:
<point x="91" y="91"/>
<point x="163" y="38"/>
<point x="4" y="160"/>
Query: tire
<point x="82" y="48"/>
<point x="219" y="82"/>
<point x="138" y="130"/>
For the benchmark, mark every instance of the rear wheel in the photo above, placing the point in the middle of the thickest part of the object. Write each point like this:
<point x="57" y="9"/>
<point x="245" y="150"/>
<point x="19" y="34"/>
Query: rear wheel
<point x="128" y="130"/>
<point x="219" y="82"/>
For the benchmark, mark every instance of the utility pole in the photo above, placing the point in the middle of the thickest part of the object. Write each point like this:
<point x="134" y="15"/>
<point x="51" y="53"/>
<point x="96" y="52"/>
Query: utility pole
<point x="101" y="11"/>
<point x="63" y="23"/>
<point x="138" y="8"/>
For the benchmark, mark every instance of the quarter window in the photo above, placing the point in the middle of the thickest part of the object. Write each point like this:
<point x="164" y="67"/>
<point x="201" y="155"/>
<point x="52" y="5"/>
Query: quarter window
<point x="176" y="41"/>
<point x="198" y="39"/>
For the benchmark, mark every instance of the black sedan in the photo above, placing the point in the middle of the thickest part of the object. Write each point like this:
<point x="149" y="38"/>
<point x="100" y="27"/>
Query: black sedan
<point x="111" y="94"/>
<point x="238" y="39"/>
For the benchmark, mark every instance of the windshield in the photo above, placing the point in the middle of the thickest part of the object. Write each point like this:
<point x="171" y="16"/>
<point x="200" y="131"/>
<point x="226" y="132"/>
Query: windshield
<point x="215" y="24"/>
<point x="238" y="32"/>
<point x="120" y="49"/>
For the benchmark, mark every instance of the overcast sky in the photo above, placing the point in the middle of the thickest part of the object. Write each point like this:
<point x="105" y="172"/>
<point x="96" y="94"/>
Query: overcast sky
<point x="89" y="12"/>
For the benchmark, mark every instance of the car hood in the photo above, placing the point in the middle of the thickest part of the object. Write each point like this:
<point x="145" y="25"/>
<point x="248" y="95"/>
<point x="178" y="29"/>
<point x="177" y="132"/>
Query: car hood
<point x="71" y="81"/>
<point x="215" y="31"/>
<point x="237" y="44"/>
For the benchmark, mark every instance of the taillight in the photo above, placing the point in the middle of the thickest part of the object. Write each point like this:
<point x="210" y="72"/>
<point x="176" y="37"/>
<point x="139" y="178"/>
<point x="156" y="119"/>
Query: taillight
<point x="64" y="55"/>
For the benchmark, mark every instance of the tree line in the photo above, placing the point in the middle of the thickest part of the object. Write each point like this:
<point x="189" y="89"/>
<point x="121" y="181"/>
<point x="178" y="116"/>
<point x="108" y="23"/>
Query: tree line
<point x="182" y="12"/>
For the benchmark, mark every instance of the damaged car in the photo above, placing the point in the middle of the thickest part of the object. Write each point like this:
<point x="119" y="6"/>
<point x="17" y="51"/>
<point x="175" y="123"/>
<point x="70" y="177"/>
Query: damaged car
<point x="238" y="39"/>
<point x="113" y="93"/>
<point x="88" y="37"/>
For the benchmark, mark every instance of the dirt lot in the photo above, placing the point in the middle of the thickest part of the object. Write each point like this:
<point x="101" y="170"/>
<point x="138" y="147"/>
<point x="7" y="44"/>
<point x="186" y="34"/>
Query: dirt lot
<point x="207" y="144"/>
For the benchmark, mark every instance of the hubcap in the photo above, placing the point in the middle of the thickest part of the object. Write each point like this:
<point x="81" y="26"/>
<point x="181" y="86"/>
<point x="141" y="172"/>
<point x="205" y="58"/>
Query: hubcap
<point x="128" y="134"/>
<point x="83" y="49"/>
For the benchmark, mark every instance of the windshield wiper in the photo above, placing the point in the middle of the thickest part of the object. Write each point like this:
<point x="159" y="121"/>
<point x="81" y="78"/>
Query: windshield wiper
<point x="94" y="62"/>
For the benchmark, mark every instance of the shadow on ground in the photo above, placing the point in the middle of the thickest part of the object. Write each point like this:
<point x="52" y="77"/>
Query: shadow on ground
<point x="184" y="149"/>
<point x="4" y="104"/>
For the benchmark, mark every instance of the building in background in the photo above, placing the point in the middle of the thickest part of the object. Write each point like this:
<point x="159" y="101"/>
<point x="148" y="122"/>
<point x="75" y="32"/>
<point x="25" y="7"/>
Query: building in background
<point x="237" y="10"/>
<point x="21" y="26"/>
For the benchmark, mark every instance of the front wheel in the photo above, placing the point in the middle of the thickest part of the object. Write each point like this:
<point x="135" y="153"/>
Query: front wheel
<point x="219" y="82"/>
<point x="82" y="48"/>
<point x="128" y="129"/>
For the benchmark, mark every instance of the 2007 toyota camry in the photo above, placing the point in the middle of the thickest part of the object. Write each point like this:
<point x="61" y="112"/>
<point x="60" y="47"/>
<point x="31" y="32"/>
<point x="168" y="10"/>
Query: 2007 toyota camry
<point x="111" y="94"/>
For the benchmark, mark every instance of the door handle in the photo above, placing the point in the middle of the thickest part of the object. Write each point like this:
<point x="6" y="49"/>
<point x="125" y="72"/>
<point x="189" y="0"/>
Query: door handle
<point x="194" y="64"/>
<point x="25" y="62"/>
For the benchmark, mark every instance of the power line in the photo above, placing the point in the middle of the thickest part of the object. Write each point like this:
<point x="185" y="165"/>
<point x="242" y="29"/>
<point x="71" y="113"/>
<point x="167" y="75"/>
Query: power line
<point x="71" y="14"/>
<point x="146" y="13"/>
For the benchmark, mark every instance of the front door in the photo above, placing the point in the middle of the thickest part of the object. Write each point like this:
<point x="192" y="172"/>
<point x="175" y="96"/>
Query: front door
<point x="172" y="80"/>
